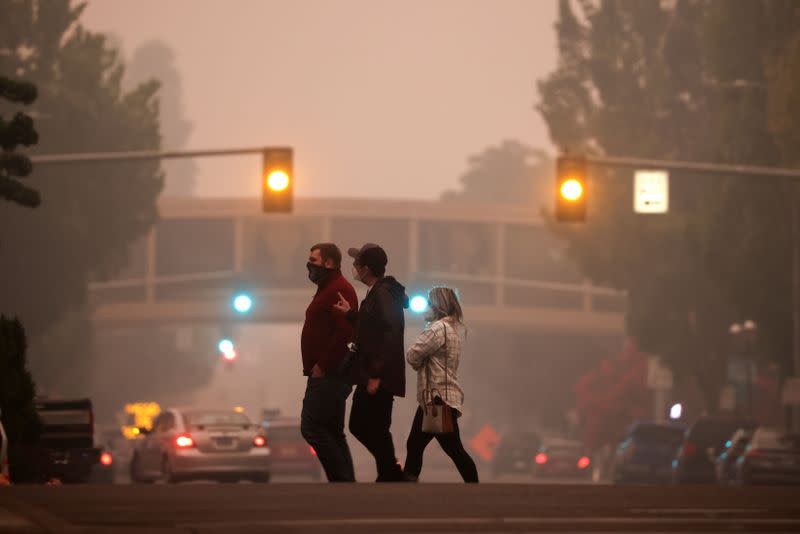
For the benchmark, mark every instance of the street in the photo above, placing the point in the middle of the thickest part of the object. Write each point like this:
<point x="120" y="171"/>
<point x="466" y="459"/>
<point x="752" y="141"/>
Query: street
<point x="396" y="508"/>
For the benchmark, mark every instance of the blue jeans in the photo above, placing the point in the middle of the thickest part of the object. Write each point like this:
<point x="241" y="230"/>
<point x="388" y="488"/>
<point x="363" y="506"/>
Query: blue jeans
<point x="322" y="426"/>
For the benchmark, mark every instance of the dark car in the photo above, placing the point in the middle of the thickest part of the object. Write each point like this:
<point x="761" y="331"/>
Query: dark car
<point x="66" y="448"/>
<point x="773" y="457"/>
<point x="727" y="461"/>
<point x="704" y="442"/>
<point x="516" y="453"/>
<point x="291" y="454"/>
<point x="645" y="454"/>
<point x="112" y="444"/>
<point x="562" y="458"/>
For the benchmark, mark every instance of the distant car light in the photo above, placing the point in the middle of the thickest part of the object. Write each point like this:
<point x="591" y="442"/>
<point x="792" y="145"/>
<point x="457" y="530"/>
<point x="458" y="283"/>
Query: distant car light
<point x="184" y="441"/>
<point x="676" y="412"/>
<point x="541" y="458"/>
<point x="312" y="451"/>
<point x="584" y="462"/>
<point x="259" y="441"/>
<point x="106" y="459"/>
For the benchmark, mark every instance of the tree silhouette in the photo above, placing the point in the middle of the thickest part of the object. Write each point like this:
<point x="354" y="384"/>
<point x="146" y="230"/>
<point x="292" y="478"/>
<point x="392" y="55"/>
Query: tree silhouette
<point x="18" y="131"/>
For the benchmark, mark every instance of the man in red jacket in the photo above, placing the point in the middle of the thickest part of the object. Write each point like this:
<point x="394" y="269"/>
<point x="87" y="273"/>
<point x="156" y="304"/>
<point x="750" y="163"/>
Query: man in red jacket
<point x="326" y="334"/>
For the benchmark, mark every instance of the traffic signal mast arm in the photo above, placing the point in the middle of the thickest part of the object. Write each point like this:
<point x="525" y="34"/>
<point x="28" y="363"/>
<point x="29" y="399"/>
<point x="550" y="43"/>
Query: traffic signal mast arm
<point x="92" y="157"/>
<point x="714" y="168"/>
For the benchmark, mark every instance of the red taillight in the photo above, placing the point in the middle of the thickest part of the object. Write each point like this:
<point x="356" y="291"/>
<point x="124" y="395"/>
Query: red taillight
<point x="259" y="441"/>
<point x="106" y="459"/>
<point x="688" y="449"/>
<point x="184" y="441"/>
<point x="541" y="458"/>
<point x="584" y="462"/>
<point x="312" y="451"/>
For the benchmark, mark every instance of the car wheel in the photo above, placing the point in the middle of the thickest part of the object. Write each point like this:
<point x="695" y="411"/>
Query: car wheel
<point x="262" y="478"/>
<point x="167" y="473"/>
<point x="136" y="471"/>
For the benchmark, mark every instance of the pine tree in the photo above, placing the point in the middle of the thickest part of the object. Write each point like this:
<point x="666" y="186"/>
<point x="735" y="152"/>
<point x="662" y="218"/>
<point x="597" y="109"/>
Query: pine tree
<point x="17" y="391"/>
<point x="18" y="131"/>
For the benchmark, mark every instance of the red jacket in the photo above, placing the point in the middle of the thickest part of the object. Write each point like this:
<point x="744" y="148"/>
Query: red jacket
<point x="327" y="332"/>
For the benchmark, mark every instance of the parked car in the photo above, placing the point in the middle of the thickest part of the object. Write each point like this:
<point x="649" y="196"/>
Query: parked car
<point x="772" y="457"/>
<point x="727" y="461"/>
<point x="110" y="441"/>
<point x="562" y="458"/>
<point x="291" y="454"/>
<point x="702" y="444"/>
<point x="515" y="453"/>
<point x="187" y="444"/>
<point x="645" y="454"/>
<point x="66" y="447"/>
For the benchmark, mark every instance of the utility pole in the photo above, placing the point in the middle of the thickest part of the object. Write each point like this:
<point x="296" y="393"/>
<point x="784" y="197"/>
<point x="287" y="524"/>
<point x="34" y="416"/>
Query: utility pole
<point x="795" y="294"/>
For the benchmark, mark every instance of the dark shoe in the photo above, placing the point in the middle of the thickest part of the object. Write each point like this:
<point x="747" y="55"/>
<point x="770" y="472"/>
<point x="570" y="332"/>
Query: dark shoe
<point x="396" y="474"/>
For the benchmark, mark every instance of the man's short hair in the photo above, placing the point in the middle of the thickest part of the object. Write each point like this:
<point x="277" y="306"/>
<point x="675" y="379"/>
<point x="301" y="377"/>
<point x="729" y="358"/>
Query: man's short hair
<point x="329" y="251"/>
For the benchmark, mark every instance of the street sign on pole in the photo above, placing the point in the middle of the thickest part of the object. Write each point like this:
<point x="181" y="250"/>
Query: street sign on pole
<point x="651" y="191"/>
<point x="658" y="376"/>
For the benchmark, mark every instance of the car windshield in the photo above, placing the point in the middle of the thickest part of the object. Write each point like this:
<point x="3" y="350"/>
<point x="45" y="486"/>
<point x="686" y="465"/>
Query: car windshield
<point x="284" y="433"/>
<point x="658" y="434"/>
<point x="522" y="440"/>
<point x="775" y="439"/>
<point x="567" y="447"/>
<point x="214" y="418"/>
<point x="712" y="433"/>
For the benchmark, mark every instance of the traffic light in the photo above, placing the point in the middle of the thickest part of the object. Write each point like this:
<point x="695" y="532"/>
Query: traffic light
<point x="227" y="349"/>
<point x="571" y="189"/>
<point x="419" y="304"/>
<point x="277" y="180"/>
<point x="242" y="303"/>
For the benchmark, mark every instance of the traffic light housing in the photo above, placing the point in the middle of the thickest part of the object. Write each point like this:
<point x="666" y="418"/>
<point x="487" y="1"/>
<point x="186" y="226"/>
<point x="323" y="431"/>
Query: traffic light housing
<point x="571" y="181"/>
<point x="277" y="180"/>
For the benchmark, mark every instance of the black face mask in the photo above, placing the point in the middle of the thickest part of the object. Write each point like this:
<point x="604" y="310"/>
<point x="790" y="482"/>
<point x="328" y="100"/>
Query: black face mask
<point x="317" y="273"/>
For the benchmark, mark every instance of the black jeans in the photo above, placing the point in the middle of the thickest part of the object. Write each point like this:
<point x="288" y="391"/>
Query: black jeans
<point x="322" y="426"/>
<point x="450" y="444"/>
<point x="370" y="420"/>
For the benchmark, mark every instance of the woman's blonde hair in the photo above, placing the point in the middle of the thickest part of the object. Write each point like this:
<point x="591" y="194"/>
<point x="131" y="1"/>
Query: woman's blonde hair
<point x="444" y="302"/>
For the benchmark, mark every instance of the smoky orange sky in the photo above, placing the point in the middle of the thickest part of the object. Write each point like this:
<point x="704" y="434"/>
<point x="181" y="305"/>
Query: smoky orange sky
<point x="380" y="98"/>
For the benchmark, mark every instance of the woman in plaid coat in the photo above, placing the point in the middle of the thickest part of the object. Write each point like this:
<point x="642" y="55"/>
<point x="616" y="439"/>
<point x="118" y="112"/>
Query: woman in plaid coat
<point x="435" y="357"/>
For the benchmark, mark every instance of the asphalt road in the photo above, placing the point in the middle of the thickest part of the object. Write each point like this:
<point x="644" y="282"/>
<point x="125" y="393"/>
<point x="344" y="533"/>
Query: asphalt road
<point x="393" y="508"/>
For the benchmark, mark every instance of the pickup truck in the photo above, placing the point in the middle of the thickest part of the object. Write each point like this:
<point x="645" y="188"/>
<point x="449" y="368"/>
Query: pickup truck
<point x="66" y="447"/>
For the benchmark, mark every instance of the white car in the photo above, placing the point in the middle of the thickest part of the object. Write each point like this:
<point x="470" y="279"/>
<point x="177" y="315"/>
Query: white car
<point x="187" y="444"/>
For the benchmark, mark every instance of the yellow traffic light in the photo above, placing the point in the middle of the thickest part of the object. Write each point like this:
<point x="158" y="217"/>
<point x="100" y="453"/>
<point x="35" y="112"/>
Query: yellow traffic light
<point x="571" y="180"/>
<point x="277" y="188"/>
<point x="572" y="190"/>
<point x="278" y="181"/>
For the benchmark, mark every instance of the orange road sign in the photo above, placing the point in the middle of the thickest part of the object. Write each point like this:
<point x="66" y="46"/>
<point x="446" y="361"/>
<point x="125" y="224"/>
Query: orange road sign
<point x="485" y="442"/>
